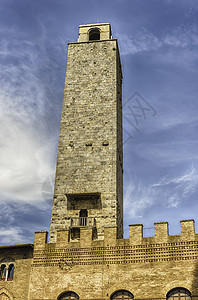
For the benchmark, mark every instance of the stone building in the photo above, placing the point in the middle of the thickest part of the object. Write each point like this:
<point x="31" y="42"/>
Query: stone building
<point x="86" y="256"/>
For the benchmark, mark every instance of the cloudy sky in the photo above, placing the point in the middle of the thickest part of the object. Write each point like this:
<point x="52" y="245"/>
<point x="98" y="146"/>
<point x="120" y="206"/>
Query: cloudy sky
<point x="158" y="43"/>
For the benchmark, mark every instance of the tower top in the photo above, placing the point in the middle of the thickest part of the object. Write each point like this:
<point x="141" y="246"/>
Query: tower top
<point x="94" y="32"/>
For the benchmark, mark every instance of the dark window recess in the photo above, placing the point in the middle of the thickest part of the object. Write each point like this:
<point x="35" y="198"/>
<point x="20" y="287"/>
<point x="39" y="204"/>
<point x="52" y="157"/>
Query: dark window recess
<point x="94" y="35"/>
<point x="84" y="201"/>
<point x="83" y="217"/>
<point x="3" y="272"/>
<point x="83" y="213"/>
<point x="10" y="272"/>
<point x="75" y="233"/>
<point x="68" y="296"/>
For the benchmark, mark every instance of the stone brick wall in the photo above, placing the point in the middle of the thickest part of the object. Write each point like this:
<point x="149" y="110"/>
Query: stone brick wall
<point x="18" y="288"/>
<point x="90" y="143"/>
<point x="148" y="267"/>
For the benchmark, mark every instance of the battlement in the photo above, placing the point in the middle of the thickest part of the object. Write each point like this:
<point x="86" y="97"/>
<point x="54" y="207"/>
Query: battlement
<point x="87" y="237"/>
<point x="87" y="250"/>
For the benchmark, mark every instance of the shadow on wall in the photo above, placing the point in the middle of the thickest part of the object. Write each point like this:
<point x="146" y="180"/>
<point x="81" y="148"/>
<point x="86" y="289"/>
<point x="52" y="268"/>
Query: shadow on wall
<point x="195" y="283"/>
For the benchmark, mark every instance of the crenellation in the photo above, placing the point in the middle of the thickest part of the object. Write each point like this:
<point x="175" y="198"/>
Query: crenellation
<point x="88" y="236"/>
<point x="161" y="231"/>
<point x="112" y="250"/>
<point x="187" y="229"/>
<point x="136" y="233"/>
<point x="62" y="238"/>
<point x="110" y="235"/>
<point x="40" y="239"/>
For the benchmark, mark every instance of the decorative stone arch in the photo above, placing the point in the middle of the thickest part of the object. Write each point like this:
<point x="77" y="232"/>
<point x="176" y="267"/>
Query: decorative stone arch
<point x="68" y="295"/>
<point x="7" y="259"/>
<point x="5" y="294"/>
<point x="174" y="285"/>
<point x="179" y="293"/>
<point x="121" y="295"/>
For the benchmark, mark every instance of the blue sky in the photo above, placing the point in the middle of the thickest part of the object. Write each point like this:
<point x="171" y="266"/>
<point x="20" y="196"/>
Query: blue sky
<point x="158" y="43"/>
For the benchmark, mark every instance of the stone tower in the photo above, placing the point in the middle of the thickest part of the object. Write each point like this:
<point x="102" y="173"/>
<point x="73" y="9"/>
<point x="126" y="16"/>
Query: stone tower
<point x="89" y="174"/>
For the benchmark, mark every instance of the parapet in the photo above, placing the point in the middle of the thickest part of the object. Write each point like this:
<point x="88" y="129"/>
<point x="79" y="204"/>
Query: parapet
<point x="88" y="250"/>
<point x="88" y="239"/>
<point x="162" y="233"/>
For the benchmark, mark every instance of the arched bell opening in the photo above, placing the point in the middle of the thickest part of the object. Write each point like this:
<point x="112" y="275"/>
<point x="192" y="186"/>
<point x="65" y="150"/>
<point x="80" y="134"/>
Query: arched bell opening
<point x="94" y="34"/>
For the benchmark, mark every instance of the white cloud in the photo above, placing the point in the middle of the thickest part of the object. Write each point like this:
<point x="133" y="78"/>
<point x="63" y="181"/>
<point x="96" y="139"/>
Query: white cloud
<point x="167" y="193"/>
<point x="27" y="151"/>
<point x="24" y="163"/>
<point x="146" y="41"/>
<point x="11" y="236"/>
<point x="178" y="189"/>
<point x="186" y="178"/>
<point x="143" y="41"/>
<point x="137" y="198"/>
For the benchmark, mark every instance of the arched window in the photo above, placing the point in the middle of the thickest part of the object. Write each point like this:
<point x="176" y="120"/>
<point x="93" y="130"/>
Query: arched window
<point x="10" y="272"/>
<point x="3" y="272"/>
<point x="122" y="295"/>
<point x="7" y="269"/>
<point x="94" y="34"/>
<point x="178" y="294"/>
<point x="68" y="296"/>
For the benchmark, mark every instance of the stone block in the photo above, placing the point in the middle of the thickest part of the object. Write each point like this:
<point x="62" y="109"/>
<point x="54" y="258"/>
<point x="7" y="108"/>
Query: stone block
<point x="135" y="233"/>
<point x="40" y="239"/>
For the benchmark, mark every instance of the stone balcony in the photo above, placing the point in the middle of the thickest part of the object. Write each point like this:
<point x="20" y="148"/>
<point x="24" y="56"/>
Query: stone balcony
<point x="82" y="222"/>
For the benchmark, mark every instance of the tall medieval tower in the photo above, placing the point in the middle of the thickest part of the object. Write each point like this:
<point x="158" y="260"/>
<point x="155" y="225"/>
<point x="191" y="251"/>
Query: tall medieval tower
<point x="84" y="260"/>
<point x="89" y="174"/>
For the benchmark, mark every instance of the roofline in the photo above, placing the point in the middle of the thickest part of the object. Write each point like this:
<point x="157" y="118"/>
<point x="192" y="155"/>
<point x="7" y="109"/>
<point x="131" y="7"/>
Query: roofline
<point x="18" y="246"/>
<point x="94" y="24"/>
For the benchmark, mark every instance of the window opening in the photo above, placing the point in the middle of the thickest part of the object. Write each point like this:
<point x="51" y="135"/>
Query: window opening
<point x="69" y="296"/>
<point x="10" y="272"/>
<point x="94" y="34"/>
<point x="122" y="295"/>
<point x="7" y="269"/>
<point x="75" y="233"/>
<point x="179" y="294"/>
<point x="83" y="217"/>
<point x="3" y="272"/>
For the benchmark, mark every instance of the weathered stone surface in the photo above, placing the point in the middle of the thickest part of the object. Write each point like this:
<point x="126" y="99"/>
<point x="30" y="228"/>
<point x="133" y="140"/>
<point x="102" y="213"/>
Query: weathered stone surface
<point x="90" y="144"/>
<point x="94" y="269"/>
